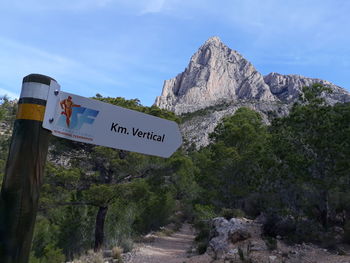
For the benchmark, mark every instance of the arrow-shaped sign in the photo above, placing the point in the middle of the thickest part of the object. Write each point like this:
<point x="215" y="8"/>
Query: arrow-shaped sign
<point x="91" y="121"/>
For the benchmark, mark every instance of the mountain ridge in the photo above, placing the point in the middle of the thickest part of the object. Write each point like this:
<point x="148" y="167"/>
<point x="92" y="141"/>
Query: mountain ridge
<point x="213" y="65"/>
<point x="218" y="75"/>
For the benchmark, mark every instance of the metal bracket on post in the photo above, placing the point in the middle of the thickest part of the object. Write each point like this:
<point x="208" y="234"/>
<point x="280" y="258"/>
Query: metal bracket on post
<point x="52" y="103"/>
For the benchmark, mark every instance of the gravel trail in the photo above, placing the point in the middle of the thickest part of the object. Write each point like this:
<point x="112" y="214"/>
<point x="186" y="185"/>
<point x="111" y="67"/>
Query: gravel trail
<point x="167" y="249"/>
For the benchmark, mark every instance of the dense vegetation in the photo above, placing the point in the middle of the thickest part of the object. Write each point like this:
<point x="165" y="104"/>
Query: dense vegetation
<point x="295" y="171"/>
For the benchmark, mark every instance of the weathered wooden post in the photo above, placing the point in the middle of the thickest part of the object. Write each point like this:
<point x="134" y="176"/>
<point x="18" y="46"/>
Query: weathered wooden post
<point x="24" y="171"/>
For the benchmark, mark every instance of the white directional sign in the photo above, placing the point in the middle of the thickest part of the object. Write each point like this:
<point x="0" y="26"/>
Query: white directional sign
<point x="91" y="121"/>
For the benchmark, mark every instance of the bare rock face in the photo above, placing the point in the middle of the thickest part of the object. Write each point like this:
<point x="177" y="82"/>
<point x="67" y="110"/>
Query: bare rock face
<point x="215" y="74"/>
<point x="197" y="127"/>
<point x="287" y="88"/>
<point x="240" y="240"/>
<point x="226" y="235"/>
<point x="218" y="76"/>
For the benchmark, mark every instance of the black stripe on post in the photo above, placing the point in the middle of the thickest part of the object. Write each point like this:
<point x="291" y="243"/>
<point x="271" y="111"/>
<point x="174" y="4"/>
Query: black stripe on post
<point x="32" y="101"/>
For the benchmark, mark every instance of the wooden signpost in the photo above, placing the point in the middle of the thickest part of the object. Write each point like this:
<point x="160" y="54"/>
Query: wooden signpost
<point x="24" y="171"/>
<point x="44" y="109"/>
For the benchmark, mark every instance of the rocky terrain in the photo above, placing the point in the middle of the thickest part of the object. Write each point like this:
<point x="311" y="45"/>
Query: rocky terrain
<point x="218" y="81"/>
<point x="241" y="240"/>
<point x="287" y="88"/>
<point x="238" y="240"/>
<point x="198" y="125"/>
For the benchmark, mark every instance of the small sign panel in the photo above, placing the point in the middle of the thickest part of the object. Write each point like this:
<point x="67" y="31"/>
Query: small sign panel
<point x="91" y="121"/>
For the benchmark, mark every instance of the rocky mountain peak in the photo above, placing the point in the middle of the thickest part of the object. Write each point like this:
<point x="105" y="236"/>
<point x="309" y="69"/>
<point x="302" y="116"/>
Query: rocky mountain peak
<point x="220" y="81"/>
<point x="214" y="40"/>
<point x="215" y="74"/>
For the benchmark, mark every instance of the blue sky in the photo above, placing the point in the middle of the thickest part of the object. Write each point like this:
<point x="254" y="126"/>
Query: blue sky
<point x="128" y="48"/>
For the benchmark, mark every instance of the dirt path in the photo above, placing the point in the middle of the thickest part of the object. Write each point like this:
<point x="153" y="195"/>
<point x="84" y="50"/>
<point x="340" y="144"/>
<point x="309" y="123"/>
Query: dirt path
<point x="167" y="249"/>
<point x="175" y="249"/>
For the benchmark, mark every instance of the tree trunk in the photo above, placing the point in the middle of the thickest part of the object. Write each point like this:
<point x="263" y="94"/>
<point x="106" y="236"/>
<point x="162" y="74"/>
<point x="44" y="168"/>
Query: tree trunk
<point x="324" y="209"/>
<point x="99" y="227"/>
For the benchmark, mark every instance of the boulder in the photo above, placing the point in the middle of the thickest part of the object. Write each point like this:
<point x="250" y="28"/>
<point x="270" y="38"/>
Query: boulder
<point x="226" y="235"/>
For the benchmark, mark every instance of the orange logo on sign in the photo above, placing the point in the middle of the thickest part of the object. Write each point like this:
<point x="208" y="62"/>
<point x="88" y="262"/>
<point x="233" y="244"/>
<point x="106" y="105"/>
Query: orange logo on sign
<point x="66" y="106"/>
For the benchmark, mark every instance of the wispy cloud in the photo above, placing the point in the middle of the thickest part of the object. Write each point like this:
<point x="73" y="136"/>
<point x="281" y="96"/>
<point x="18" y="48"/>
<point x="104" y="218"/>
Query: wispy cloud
<point x="10" y="94"/>
<point x="137" y="6"/>
<point x="126" y="46"/>
<point x="153" y="6"/>
<point x="43" y="5"/>
<point x="19" y="60"/>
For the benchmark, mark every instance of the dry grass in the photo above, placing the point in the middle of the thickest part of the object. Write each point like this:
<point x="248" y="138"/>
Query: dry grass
<point x="90" y="257"/>
<point x="117" y="253"/>
<point x="164" y="231"/>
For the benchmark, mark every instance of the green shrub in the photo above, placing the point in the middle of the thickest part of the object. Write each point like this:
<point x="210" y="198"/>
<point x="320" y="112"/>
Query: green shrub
<point x="293" y="230"/>
<point x="203" y="236"/>
<point x="1" y="174"/>
<point x="277" y="225"/>
<point x="229" y="213"/>
<point x="32" y="258"/>
<point x="119" y="225"/>
<point x="126" y="244"/>
<point x="202" y="247"/>
<point x="203" y="212"/>
<point x="270" y="242"/>
<point x="45" y="237"/>
<point x="156" y="212"/>
<point x="306" y="231"/>
<point x="241" y="254"/>
<point x="53" y="255"/>
<point x="202" y="222"/>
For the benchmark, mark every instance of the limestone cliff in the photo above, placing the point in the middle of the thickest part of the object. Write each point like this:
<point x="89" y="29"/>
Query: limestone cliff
<point x="215" y="74"/>
<point x="218" y="81"/>
<point x="287" y="88"/>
